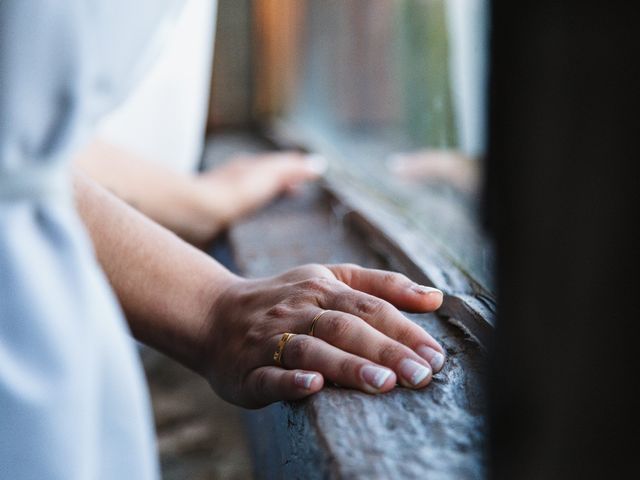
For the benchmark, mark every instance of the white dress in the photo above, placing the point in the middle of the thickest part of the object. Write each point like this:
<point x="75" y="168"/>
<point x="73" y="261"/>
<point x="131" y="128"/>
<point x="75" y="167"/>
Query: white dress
<point x="73" y="404"/>
<point x="164" y="118"/>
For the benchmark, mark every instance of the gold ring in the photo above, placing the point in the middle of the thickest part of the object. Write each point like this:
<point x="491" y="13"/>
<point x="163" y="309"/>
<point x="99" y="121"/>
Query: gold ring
<point x="314" y="321"/>
<point x="277" y="356"/>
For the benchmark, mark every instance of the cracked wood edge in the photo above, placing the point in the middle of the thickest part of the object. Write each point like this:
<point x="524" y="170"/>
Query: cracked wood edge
<point x="466" y="303"/>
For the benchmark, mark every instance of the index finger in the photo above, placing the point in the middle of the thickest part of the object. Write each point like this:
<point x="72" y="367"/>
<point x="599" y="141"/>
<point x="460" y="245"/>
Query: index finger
<point x="393" y="287"/>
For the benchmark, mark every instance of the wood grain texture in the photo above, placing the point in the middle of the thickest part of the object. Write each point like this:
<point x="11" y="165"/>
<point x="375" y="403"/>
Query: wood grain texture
<point x="437" y="432"/>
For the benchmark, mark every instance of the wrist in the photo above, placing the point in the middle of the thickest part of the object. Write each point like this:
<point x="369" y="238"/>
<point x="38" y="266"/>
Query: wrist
<point x="180" y="323"/>
<point x="210" y="330"/>
<point x="205" y="212"/>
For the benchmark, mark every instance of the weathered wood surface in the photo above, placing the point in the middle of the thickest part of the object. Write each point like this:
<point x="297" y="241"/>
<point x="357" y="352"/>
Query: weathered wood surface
<point x="466" y="303"/>
<point x="435" y="433"/>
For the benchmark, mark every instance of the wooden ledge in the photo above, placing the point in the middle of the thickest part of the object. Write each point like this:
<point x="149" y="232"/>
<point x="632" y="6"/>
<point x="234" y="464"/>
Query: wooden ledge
<point x="438" y="432"/>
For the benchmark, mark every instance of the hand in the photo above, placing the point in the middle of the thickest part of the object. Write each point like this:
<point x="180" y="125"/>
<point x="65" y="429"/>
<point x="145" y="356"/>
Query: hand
<point x="246" y="183"/>
<point x="362" y="342"/>
<point x="437" y="166"/>
<point x="197" y="207"/>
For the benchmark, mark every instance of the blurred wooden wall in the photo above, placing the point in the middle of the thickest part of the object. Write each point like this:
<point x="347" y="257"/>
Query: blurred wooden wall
<point x="230" y="104"/>
<point x="335" y="56"/>
<point x="346" y="60"/>
<point x="279" y="41"/>
<point x="258" y="45"/>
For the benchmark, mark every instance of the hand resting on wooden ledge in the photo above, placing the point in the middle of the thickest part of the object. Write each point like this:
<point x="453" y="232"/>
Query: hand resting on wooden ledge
<point x="342" y="321"/>
<point x="347" y="331"/>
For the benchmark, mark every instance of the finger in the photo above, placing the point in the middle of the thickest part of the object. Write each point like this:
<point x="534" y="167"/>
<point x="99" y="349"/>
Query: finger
<point x="346" y="369"/>
<point x="354" y="335"/>
<point x="391" y="286"/>
<point x="384" y="317"/>
<point x="266" y="385"/>
<point x="293" y="168"/>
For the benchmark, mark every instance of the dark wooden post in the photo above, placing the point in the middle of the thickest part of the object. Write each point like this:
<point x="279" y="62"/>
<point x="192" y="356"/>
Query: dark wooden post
<point x="562" y="197"/>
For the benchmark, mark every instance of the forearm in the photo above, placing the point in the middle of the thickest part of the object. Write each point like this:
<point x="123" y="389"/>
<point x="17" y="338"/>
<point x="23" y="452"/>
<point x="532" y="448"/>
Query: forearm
<point x="175" y="200"/>
<point x="196" y="207"/>
<point x="166" y="287"/>
<point x="183" y="303"/>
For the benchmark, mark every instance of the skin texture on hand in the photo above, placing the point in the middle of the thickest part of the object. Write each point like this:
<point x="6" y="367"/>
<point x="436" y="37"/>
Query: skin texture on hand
<point x="197" y="207"/>
<point x="185" y="304"/>
<point x="361" y="342"/>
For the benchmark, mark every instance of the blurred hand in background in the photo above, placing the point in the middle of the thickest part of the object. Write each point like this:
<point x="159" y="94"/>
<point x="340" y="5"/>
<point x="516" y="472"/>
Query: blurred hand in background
<point x="197" y="207"/>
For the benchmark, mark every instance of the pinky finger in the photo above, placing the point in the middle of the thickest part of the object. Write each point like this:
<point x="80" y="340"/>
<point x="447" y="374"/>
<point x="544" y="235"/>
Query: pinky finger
<point x="266" y="385"/>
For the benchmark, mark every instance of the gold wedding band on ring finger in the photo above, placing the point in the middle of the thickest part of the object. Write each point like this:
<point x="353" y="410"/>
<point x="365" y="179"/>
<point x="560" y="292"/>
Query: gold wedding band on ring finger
<point x="284" y="339"/>
<point x="278" y="354"/>
<point x="312" y="328"/>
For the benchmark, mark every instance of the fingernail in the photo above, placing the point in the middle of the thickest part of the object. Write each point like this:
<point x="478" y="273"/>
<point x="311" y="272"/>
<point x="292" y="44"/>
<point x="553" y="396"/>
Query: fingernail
<point x="304" y="380"/>
<point x="435" y="358"/>
<point x="375" y="376"/>
<point x="423" y="290"/>
<point x="413" y="372"/>
<point x="317" y="163"/>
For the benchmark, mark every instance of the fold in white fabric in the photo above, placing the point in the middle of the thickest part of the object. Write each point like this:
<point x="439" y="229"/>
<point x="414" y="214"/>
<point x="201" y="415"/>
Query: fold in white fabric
<point x="164" y="118"/>
<point x="72" y="399"/>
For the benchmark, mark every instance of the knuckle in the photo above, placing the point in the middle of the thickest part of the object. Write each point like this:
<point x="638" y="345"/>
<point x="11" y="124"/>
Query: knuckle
<point x="298" y="299"/>
<point x="405" y="334"/>
<point x="388" y="353"/>
<point x="346" y="271"/>
<point x="350" y="266"/>
<point x="338" y="326"/>
<point x="370" y="306"/>
<point x="315" y="284"/>
<point x="312" y="268"/>
<point x="346" y="368"/>
<point x="262" y="334"/>
<point x="393" y="278"/>
<point x="254" y="337"/>
<point x="296" y="350"/>
<point x="279" y="311"/>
